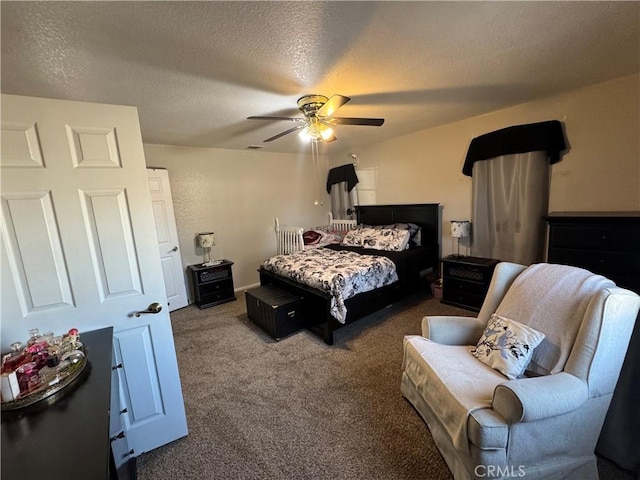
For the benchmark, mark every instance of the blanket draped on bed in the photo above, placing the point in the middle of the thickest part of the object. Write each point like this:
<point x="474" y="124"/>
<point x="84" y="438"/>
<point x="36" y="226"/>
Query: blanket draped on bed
<point x="342" y="274"/>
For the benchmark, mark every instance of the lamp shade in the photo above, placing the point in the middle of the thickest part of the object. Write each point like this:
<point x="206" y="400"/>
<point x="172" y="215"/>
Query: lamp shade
<point x="460" y="228"/>
<point x="206" y="240"/>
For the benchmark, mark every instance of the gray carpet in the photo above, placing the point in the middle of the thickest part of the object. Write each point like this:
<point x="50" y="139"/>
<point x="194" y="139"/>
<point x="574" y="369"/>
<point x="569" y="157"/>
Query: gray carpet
<point x="297" y="409"/>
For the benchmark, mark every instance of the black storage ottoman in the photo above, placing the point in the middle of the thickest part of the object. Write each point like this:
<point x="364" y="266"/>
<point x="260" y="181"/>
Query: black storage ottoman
<point x="277" y="312"/>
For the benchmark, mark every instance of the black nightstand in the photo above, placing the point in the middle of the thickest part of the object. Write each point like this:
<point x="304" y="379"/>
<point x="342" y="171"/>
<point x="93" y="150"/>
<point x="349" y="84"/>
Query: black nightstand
<point x="465" y="280"/>
<point x="212" y="285"/>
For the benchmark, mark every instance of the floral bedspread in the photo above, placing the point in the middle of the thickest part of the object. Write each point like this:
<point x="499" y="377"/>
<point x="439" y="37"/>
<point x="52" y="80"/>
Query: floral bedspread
<point x="342" y="274"/>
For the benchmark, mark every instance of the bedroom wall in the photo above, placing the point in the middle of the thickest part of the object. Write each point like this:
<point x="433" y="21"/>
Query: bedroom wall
<point x="236" y="194"/>
<point x="600" y="172"/>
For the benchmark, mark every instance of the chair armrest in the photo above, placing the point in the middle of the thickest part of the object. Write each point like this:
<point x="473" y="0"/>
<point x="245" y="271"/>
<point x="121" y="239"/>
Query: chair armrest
<point x="530" y="399"/>
<point x="452" y="330"/>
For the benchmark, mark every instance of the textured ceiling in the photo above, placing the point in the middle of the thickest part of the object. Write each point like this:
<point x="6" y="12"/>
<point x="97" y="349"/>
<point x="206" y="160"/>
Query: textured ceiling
<point x="196" y="70"/>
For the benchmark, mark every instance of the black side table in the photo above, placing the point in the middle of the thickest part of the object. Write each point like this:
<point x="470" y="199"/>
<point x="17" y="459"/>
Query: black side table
<point x="212" y="285"/>
<point x="465" y="280"/>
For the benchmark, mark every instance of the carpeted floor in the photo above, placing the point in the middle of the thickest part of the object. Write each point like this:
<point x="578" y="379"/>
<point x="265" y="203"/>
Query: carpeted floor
<point x="298" y="409"/>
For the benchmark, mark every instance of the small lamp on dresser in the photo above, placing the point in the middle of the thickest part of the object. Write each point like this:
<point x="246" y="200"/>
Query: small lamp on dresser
<point x="206" y="241"/>
<point x="460" y="229"/>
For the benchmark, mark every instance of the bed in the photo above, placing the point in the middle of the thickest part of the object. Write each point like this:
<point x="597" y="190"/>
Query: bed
<point x="411" y="265"/>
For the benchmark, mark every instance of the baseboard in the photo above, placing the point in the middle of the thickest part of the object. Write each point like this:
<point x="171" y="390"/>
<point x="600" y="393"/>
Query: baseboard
<point x="246" y="287"/>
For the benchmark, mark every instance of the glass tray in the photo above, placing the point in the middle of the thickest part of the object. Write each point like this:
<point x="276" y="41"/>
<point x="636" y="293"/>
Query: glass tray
<point x="67" y="377"/>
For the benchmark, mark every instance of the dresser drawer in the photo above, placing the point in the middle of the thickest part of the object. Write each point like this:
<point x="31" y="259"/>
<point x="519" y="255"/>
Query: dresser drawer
<point x="451" y="285"/>
<point x="602" y="262"/>
<point x="462" y="299"/>
<point x="214" y="298"/>
<point x="212" y="287"/>
<point x="604" y="236"/>
<point x="467" y="272"/>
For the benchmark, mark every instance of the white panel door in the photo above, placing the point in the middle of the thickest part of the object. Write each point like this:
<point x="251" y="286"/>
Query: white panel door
<point x="167" y="234"/>
<point x="79" y="248"/>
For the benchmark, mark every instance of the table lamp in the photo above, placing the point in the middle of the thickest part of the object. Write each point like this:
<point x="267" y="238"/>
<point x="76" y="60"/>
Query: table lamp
<point x="460" y="229"/>
<point x="206" y="241"/>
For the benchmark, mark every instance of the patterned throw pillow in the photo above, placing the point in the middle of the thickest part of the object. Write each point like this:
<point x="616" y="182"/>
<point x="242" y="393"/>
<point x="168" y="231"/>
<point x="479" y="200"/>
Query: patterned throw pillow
<point x="353" y="238"/>
<point x="507" y="346"/>
<point x="391" y="240"/>
<point x="414" y="230"/>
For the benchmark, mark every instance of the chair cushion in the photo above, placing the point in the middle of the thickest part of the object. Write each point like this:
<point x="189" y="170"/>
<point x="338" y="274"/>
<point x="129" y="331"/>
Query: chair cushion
<point x="451" y="381"/>
<point x="507" y="345"/>
<point x="552" y="299"/>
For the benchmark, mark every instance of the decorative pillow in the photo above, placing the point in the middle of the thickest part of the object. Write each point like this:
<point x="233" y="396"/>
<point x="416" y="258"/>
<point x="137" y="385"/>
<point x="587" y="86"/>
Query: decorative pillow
<point x="414" y="231"/>
<point x="391" y="240"/>
<point x="311" y="237"/>
<point x="507" y="346"/>
<point x="353" y="238"/>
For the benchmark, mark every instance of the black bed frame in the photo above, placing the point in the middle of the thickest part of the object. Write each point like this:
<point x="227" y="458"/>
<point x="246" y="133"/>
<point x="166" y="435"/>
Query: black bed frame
<point x="317" y="316"/>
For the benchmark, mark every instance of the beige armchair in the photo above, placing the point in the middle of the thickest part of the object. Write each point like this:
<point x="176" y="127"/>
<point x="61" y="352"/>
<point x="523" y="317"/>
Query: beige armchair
<point x="545" y="422"/>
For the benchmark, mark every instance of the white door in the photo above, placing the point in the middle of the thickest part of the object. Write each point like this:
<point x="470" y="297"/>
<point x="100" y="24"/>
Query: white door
<point x="167" y="238"/>
<point x="79" y="248"/>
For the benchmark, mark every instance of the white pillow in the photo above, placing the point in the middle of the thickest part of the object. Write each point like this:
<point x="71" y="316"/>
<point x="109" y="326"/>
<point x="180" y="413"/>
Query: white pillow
<point x="507" y="346"/>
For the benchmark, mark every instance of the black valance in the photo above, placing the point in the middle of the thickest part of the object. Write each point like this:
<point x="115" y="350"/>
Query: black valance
<point x="547" y="136"/>
<point x="345" y="173"/>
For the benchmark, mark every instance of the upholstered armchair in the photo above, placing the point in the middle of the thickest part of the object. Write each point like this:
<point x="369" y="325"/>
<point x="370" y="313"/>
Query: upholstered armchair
<point x="561" y="334"/>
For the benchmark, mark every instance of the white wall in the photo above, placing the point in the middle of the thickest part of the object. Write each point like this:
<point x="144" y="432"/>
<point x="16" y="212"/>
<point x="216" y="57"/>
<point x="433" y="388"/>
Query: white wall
<point x="236" y="194"/>
<point x="600" y="172"/>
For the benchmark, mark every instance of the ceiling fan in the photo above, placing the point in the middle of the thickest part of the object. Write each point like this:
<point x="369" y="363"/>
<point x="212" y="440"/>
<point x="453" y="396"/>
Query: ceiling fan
<point x="318" y="118"/>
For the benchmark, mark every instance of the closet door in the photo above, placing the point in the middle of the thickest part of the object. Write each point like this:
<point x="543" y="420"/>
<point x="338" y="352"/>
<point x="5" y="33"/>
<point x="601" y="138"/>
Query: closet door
<point x="167" y="233"/>
<point x="79" y="248"/>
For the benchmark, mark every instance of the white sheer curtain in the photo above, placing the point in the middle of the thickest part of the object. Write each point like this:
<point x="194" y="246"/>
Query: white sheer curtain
<point x="341" y="200"/>
<point x="510" y="198"/>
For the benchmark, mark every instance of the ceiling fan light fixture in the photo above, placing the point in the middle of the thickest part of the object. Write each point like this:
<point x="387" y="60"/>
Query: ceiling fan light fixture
<point x="327" y="132"/>
<point x="316" y="131"/>
<point x="318" y="120"/>
<point x="305" y="134"/>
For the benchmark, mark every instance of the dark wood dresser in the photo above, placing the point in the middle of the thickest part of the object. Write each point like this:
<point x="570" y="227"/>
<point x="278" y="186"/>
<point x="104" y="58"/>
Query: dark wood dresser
<point x="608" y="244"/>
<point x="67" y="435"/>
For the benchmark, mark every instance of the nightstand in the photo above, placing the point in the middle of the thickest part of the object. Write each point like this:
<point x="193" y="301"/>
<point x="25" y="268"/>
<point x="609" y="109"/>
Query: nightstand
<point x="212" y="285"/>
<point x="465" y="280"/>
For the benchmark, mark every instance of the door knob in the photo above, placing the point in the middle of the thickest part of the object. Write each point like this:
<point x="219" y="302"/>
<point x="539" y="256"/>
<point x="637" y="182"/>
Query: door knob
<point x="174" y="249"/>
<point x="153" y="308"/>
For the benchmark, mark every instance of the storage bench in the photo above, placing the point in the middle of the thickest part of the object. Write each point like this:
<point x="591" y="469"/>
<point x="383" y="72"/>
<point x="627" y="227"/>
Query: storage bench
<point x="277" y="312"/>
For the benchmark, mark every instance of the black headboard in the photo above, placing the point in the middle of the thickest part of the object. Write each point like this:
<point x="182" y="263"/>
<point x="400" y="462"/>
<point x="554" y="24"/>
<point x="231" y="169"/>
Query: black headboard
<point x="425" y="215"/>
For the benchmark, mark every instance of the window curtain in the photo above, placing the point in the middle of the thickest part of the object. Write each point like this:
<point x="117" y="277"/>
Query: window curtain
<point x="510" y="199"/>
<point x="510" y="170"/>
<point x="340" y="185"/>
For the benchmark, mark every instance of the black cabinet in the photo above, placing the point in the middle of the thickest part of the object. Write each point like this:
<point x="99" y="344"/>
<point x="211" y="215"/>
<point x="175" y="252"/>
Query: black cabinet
<point x="277" y="312"/>
<point x="465" y="280"/>
<point x="603" y="243"/>
<point x="212" y="285"/>
<point x="608" y="243"/>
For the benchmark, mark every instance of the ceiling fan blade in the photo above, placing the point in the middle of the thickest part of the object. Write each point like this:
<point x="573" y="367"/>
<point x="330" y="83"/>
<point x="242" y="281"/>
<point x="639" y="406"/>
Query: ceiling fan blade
<point x="291" y="119"/>
<point x="373" y="122"/>
<point x="286" y="132"/>
<point x="333" y="104"/>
